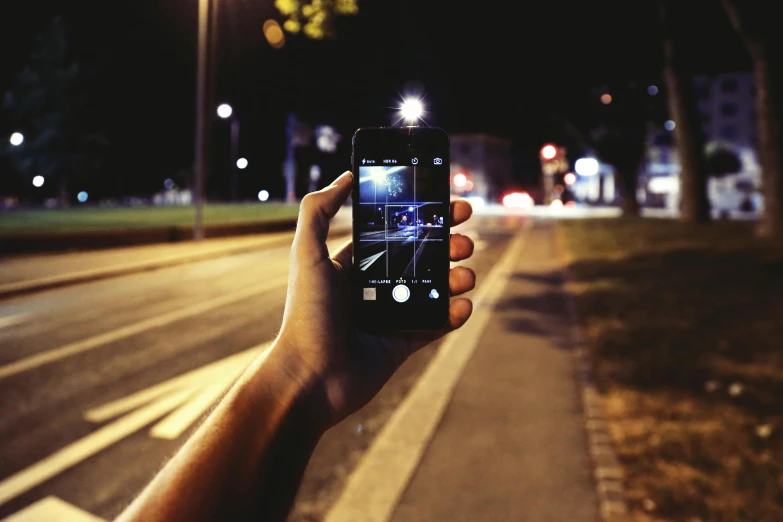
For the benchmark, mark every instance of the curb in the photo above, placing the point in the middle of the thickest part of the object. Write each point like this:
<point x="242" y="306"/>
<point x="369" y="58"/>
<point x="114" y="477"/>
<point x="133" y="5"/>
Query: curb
<point x="47" y="283"/>
<point x="607" y="471"/>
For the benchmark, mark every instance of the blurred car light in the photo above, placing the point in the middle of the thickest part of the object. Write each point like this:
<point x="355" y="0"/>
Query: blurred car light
<point x="518" y="200"/>
<point x="475" y="201"/>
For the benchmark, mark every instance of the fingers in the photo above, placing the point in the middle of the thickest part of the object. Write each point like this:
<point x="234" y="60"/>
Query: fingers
<point x="461" y="280"/>
<point x="315" y="211"/>
<point x="460" y="212"/>
<point x="344" y="255"/>
<point x="459" y="312"/>
<point x="460" y="247"/>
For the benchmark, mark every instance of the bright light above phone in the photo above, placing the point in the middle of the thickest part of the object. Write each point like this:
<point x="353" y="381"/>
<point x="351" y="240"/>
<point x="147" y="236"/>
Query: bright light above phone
<point x="411" y="110"/>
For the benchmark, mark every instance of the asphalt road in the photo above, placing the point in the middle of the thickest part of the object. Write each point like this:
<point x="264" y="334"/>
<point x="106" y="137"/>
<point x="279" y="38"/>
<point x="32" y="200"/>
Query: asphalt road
<point x="101" y="382"/>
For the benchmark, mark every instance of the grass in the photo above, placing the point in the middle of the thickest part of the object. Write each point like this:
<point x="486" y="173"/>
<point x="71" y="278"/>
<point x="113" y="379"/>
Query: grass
<point x="22" y="222"/>
<point x="685" y="327"/>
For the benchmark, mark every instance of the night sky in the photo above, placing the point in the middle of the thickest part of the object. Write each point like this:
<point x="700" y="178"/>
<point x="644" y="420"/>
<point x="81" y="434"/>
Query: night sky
<point x="493" y="66"/>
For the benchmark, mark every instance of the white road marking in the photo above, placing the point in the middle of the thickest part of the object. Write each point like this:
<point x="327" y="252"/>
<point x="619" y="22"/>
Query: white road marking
<point x="365" y="263"/>
<point x="375" y="487"/>
<point x="152" y="403"/>
<point x="95" y="341"/>
<point x="11" y="320"/>
<point x="52" y="509"/>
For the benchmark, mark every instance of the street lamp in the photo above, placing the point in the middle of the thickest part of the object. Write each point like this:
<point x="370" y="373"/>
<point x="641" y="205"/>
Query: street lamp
<point x="586" y="166"/>
<point x="224" y="110"/>
<point x="16" y="139"/>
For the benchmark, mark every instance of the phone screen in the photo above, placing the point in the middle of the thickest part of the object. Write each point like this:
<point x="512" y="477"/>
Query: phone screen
<point x="401" y="228"/>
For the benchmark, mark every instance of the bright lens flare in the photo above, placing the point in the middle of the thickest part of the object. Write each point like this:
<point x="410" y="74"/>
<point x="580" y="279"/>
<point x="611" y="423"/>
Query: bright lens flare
<point x="460" y="180"/>
<point x="411" y="110"/>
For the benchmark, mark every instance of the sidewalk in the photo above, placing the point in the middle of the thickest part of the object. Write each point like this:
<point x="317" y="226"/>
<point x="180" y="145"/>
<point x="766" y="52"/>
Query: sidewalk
<point x="493" y="429"/>
<point x="29" y="273"/>
<point x="511" y="445"/>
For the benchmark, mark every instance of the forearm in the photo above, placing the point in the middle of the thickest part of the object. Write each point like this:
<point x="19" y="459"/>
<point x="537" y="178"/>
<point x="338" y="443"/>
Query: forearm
<point x="246" y="460"/>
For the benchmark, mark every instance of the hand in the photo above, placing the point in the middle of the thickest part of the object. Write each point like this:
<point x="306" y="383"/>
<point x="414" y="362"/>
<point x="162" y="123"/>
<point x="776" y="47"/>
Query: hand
<point x="318" y="331"/>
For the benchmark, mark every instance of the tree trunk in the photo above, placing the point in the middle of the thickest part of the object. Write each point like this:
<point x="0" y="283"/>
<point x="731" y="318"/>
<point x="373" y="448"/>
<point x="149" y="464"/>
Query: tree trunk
<point x="688" y="136"/>
<point x="769" y="110"/>
<point x="763" y="40"/>
<point x="626" y="178"/>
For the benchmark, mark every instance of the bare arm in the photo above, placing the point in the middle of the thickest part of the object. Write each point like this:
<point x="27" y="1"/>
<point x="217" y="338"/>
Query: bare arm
<point x="246" y="460"/>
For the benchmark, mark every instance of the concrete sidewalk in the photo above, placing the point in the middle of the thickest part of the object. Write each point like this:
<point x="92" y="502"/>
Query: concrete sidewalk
<point x="30" y="273"/>
<point x="511" y="444"/>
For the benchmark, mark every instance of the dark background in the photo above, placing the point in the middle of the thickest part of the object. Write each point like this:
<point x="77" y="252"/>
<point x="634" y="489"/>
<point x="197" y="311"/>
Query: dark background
<point x="493" y="66"/>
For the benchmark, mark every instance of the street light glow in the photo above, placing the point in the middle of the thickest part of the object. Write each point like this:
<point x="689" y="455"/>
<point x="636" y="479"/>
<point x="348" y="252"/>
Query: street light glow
<point x="38" y="181"/>
<point x="586" y="166"/>
<point x="460" y="180"/>
<point x="548" y="152"/>
<point x="16" y="139"/>
<point x="242" y="163"/>
<point x="411" y="110"/>
<point x="224" y="110"/>
<point x="263" y="195"/>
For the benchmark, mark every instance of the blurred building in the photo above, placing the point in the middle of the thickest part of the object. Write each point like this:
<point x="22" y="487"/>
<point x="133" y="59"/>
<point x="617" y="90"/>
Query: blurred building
<point x="486" y="162"/>
<point x="728" y="118"/>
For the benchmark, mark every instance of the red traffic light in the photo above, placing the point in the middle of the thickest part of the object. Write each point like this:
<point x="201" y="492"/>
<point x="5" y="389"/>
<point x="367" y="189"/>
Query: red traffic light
<point x="548" y="151"/>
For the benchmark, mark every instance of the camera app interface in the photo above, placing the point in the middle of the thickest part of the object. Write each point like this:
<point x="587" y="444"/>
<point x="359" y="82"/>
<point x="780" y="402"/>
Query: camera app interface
<point x="402" y="252"/>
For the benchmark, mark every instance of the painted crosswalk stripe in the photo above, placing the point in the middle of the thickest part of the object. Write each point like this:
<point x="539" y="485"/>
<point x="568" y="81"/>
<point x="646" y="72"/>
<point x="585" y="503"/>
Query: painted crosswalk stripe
<point x="191" y="391"/>
<point x="52" y="509"/>
<point x="367" y="261"/>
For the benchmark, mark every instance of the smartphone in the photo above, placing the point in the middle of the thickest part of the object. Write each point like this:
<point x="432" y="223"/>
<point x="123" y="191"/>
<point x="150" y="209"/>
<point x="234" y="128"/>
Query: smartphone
<point x="401" y="224"/>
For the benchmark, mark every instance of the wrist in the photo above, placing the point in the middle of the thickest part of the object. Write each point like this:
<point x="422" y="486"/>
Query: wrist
<point x="296" y="386"/>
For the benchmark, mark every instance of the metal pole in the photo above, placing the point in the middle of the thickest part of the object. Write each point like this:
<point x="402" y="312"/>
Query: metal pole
<point x="201" y="86"/>
<point x="289" y="167"/>
<point x="234" y="157"/>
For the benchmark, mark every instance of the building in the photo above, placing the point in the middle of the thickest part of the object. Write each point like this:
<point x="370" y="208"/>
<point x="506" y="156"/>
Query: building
<point x="727" y="108"/>
<point x="486" y="162"/>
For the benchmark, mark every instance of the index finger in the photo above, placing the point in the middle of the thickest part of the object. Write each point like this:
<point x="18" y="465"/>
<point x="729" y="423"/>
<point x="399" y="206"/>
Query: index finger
<point x="460" y="212"/>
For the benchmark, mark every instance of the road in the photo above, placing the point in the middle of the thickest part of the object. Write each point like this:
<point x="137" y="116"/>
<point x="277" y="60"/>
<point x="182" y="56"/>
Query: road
<point x="101" y="382"/>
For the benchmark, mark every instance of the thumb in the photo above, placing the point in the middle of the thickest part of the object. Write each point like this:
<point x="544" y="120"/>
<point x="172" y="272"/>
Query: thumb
<point x="315" y="212"/>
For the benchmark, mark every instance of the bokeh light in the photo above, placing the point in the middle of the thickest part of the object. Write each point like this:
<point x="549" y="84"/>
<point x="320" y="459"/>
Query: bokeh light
<point x="606" y="99"/>
<point x="263" y="195"/>
<point x="82" y="196"/>
<point x="242" y="163"/>
<point x="224" y="110"/>
<point x="16" y="139"/>
<point x="38" y="181"/>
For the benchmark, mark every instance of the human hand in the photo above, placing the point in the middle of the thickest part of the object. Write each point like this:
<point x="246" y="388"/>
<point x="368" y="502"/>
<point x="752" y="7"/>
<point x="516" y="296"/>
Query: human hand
<point x="318" y="333"/>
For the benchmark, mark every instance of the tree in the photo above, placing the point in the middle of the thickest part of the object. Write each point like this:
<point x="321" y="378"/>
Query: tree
<point x="316" y="18"/>
<point x="684" y="110"/>
<point x="759" y="30"/>
<point x="48" y="103"/>
<point x="615" y="127"/>
<point x="720" y="160"/>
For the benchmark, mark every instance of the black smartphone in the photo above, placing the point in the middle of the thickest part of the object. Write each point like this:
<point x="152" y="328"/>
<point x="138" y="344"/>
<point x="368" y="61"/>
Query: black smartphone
<point x="401" y="224"/>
